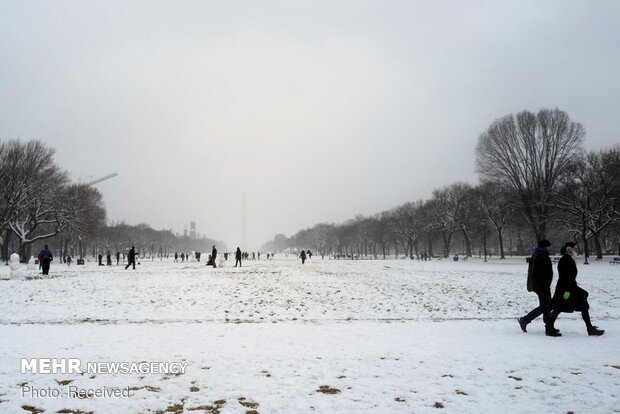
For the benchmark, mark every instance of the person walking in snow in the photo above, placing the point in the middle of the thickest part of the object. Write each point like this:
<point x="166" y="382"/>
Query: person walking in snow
<point x="302" y="256"/>
<point x="539" y="277"/>
<point x="131" y="258"/>
<point x="40" y="258"/>
<point x="118" y="257"/>
<point x="568" y="296"/>
<point x="238" y="257"/>
<point x="213" y="255"/>
<point x="46" y="259"/>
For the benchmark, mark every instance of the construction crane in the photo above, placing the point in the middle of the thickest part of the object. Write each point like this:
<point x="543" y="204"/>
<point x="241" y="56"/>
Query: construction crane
<point x="98" y="180"/>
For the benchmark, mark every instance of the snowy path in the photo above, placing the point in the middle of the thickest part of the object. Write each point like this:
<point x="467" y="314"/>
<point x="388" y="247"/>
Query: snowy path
<point x="391" y="337"/>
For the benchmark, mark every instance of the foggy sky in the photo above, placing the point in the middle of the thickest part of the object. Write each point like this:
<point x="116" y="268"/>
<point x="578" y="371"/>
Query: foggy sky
<point x="317" y="110"/>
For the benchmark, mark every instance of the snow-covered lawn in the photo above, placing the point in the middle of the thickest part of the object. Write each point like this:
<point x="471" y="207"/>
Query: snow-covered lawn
<point x="330" y="336"/>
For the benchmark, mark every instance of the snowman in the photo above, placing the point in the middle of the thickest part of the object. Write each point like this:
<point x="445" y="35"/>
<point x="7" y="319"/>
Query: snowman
<point x="15" y="266"/>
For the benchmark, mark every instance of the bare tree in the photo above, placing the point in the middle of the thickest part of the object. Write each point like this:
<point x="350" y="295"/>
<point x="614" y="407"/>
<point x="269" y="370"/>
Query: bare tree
<point x="454" y="205"/>
<point x="497" y="205"/>
<point x="589" y="195"/>
<point x="381" y="232"/>
<point x="82" y="213"/>
<point x="530" y="153"/>
<point x="33" y="193"/>
<point x="408" y="225"/>
<point x="426" y="211"/>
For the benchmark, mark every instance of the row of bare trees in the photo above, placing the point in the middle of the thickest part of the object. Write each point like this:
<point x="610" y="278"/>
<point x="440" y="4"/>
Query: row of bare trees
<point x="39" y="204"/>
<point x="536" y="181"/>
<point x="37" y="201"/>
<point x="149" y="243"/>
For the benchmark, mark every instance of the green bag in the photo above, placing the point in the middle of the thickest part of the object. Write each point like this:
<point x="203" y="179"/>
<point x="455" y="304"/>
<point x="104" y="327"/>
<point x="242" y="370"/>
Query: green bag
<point x="566" y="295"/>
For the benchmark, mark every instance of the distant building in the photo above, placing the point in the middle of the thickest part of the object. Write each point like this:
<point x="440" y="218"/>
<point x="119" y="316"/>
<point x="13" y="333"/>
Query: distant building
<point x="192" y="230"/>
<point x="185" y="232"/>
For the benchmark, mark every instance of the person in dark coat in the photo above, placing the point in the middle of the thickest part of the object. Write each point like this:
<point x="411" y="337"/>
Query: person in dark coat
<point x="238" y="257"/>
<point x="568" y="296"/>
<point x="302" y="256"/>
<point x="118" y="257"/>
<point x="213" y="255"/>
<point x="131" y="258"/>
<point x="539" y="277"/>
<point x="46" y="259"/>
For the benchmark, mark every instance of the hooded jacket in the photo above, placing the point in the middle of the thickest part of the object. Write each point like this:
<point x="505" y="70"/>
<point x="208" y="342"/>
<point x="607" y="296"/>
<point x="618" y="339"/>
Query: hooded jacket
<point x="540" y="271"/>
<point x="46" y="253"/>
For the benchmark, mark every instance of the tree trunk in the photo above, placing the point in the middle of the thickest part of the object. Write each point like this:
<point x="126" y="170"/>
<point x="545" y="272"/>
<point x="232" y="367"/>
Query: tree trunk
<point x="430" y="245"/>
<point x="500" y="238"/>
<point x="586" y="253"/>
<point x="467" y="242"/>
<point x="446" y="243"/>
<point x="5" y="246"/>
<point x="24" y="252"/>
<point x="597" y="245"/>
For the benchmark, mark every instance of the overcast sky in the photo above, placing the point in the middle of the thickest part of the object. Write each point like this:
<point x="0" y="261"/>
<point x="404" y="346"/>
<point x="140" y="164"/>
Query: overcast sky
<point x="317" y="110"/>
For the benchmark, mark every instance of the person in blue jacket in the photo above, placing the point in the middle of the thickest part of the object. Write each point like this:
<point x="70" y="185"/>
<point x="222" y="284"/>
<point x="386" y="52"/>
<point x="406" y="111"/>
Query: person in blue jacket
<point x="46" y="259"/>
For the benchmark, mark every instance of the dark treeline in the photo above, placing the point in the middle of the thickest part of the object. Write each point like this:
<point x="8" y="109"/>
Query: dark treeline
<point x="149" y="243"/>
<point x="536" y="182"/>
<point x="39" y="204"/>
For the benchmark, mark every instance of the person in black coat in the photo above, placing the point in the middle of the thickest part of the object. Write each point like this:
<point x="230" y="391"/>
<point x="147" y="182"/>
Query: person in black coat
<point x="302" y="256"/>
<point x="131" y="258"/>
<point x="539" y="277"/>
<point x="213" y="255"/>
<point x="238" y="257"/>
<point x="568" y="296"/>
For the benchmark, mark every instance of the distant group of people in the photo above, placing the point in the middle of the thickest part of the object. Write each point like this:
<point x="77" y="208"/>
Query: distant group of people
<point x="568" y="296"/>
<point x="305" y="254"/>
<point x="109" y="259"/>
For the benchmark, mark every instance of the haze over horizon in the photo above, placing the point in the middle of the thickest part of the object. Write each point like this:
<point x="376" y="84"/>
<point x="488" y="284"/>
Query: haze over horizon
<point x="318" y="111"/>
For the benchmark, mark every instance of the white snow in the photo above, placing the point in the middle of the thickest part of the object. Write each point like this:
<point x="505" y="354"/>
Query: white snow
<point x="393" y="336"/>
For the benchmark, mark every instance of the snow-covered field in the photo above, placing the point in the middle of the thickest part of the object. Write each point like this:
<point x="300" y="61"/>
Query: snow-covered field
<point x="366" y="336"/>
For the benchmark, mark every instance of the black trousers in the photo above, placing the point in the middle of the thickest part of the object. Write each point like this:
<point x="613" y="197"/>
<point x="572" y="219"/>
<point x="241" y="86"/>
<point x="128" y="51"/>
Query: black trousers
<point x="238" y="261"/>
<point x="544" y="307"/>
<point x="131" y="262"/>
<point x="45" y="265"/>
